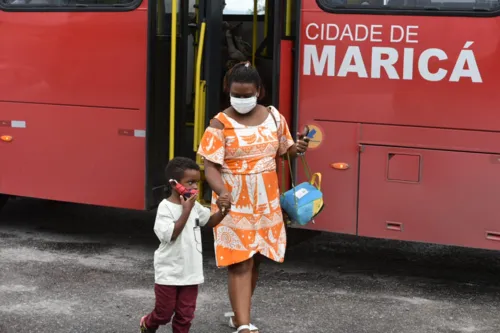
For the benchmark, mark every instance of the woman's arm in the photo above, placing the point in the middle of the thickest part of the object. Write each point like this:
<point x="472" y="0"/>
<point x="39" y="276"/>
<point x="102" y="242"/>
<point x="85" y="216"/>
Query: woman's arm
<point x="211" y="221"/>
<point x="214" y="177"/>
<point x="213" y="170"/>
<point x="287" y="146"/>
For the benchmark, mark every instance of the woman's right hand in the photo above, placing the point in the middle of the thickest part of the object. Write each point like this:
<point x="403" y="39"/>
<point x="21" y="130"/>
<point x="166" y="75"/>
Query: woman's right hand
<point x="226" y="194"/>
<point x="225" y="203"/>
<point x="214" y="178"/>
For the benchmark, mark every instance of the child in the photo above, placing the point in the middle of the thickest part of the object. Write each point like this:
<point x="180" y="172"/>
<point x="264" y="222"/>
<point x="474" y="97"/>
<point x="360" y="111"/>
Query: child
<point x="178" y="261"/>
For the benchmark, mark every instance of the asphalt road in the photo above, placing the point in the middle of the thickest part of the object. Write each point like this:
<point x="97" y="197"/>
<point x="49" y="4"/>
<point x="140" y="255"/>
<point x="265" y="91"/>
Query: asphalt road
<point x="73" y="268"/>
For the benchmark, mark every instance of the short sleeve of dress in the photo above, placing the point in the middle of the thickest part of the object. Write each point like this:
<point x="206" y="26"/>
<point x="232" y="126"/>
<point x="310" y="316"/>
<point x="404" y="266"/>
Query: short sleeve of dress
<point x="285" y="137"/>
<point x="212" y="146"/>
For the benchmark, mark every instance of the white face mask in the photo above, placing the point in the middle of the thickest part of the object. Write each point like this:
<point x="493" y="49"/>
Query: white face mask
<point x="244" y="105"/>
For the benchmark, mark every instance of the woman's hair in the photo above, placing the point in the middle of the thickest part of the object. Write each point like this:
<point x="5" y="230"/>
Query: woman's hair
<point x="175" y="170"/>
<point x="243" y="72"/>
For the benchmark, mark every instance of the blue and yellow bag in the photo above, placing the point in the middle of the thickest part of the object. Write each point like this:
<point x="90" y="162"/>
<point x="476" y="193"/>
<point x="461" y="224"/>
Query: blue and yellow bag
<point x="302" y="203"/>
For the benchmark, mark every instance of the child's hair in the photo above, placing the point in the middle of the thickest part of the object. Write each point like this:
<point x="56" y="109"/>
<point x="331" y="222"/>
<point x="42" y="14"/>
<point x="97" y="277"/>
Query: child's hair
<point x="175" y="170"/>
<point x="243" y="72"/>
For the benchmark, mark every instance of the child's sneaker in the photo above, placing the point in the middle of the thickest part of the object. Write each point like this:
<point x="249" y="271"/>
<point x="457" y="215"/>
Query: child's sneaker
<point x="143" y="327"/>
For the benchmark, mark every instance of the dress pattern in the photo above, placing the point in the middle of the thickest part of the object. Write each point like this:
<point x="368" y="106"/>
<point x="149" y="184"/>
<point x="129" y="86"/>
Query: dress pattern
<point x="247" y="155"/>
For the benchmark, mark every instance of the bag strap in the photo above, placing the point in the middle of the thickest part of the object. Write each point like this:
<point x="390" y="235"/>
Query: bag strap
<point x="270" y="109"/>
<point x="316" y="180"/>
<point x="278" y="156"/>
<point x="307" y="169"/>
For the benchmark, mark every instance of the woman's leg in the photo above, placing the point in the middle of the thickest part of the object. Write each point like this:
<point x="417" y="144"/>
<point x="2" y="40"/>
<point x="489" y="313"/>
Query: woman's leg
<point x="240" y="285"/>
<point x="255" y="276"/>
<point x="255" y="271"/>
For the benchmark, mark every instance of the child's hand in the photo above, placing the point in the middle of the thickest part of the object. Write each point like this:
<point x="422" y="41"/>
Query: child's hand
<point x="224" y="203"/>
<point x="187" y="205"/>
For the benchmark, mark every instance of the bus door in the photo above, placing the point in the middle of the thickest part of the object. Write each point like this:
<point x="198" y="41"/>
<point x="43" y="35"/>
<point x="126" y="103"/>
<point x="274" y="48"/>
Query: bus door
<point x="213" y="55"/>
<point x="186" y="82"/>
<point x="255" y="37"/>
<point x="235" y="34"/>
<point x="170" y="89"/>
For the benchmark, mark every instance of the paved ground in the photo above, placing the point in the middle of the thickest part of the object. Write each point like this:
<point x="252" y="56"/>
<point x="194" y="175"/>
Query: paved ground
<point x="70" y="268"/>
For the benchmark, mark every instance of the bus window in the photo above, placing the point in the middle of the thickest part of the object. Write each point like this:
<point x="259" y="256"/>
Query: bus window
<point x="243" y="7"/>
<point x="20" y="4"/>
<point x="164" y="10"/>
<point x="451" y="5"/>
<point x="168" y="6"/>
<point x="164" y="24"/>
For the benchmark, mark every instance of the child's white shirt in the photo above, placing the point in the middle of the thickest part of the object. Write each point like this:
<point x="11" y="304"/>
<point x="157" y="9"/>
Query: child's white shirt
<point x="179" y="262"/>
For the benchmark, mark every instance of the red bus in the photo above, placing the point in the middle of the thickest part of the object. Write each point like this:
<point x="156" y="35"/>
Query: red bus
<point x="97" y="95"/>
<point x="402" y="95"/>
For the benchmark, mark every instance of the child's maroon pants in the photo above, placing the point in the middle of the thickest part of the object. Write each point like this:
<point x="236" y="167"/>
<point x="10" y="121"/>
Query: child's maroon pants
<point x="177" y="301"/>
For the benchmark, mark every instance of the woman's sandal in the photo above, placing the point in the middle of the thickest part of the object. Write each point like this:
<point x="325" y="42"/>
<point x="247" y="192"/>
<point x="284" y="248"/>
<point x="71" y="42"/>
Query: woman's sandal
<point x="230" y="315"/>
<point x="242" y="327"/>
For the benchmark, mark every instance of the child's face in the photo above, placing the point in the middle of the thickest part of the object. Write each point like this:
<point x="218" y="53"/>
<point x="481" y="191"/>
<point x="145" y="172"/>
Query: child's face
<point x="191" y="179"/>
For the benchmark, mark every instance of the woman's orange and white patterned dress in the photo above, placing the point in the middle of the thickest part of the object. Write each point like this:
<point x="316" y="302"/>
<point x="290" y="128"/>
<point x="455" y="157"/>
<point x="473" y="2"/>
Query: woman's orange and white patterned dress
<point x="247" y="155"/>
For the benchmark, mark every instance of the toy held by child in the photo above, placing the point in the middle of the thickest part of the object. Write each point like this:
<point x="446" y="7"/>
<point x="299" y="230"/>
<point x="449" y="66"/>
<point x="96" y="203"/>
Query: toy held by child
<point x="178" y="261"/>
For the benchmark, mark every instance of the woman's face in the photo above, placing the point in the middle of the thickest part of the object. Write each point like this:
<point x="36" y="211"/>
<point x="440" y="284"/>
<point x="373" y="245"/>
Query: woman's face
<point x="243" y="90"/>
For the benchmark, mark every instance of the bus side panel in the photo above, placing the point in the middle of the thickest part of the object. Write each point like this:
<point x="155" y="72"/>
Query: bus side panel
<point x="337" y="144"/>
<point x="430" y="138"/>
<point x="285" y="92"/>
<point x="81" y="59"/>
<point x="405" y="95"/>
<point x="73" y="154"/>
<point x="430" y="196"/>
<point x="286" y="80"/>
<point x="73" y="97"/>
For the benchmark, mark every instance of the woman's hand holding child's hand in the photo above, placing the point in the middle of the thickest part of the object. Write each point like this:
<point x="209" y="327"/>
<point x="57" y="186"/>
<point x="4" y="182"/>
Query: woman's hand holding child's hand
<point x="224" y="203"/>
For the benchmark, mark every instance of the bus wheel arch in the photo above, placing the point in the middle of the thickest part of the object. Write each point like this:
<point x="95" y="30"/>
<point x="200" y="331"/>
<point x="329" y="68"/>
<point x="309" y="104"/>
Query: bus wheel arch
<point x="3" y="200"/>
<point x="296" y="236"/>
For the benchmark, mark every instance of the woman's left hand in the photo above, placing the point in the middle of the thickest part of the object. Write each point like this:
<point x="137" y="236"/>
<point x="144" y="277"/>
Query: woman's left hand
<point x="302" y="143"/>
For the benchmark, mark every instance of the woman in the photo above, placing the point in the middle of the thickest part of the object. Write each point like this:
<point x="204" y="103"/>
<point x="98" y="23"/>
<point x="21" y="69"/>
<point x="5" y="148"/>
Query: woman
<point x="239" y="150"/>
